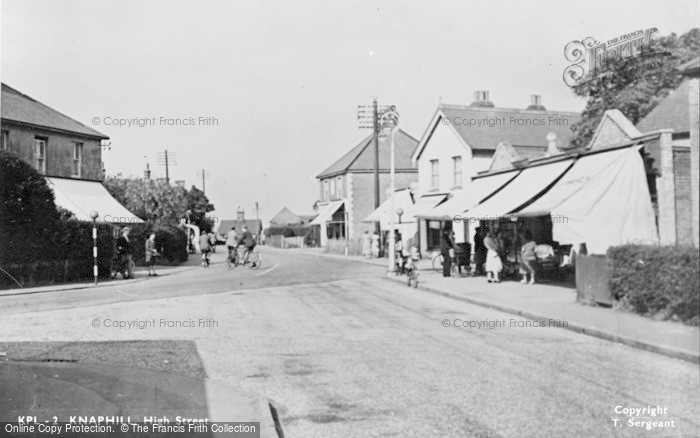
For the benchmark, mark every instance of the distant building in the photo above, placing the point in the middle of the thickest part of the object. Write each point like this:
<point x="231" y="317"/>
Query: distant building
<point x="254" y="225"/>
<point x="346" y="188"/>
<point x="286" y="217"/>
<point x="67" y="152"/>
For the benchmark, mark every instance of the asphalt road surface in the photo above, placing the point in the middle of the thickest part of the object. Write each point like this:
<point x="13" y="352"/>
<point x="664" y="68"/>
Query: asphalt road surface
<point x="346" y="353"/>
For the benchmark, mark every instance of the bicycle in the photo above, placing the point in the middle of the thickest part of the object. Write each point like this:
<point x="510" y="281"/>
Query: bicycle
<point x="254" y="261"/>
<point x="438" y="260"/>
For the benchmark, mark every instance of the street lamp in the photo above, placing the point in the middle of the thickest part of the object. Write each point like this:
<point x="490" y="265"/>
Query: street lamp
<point x="94" y="215"/>
<point x="399" y="212"/>
<point x="390" y="121"/>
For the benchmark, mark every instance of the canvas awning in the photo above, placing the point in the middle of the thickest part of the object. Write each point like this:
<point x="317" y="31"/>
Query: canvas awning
<point x="527" y="185"/>
<point x="478" y="190"/>
<point x="326" y="212"/>
<point x="424" y="204"/>
<point x="609" y="206"/>
<point x="403" y="200"/>
<point x="81" y="197"/>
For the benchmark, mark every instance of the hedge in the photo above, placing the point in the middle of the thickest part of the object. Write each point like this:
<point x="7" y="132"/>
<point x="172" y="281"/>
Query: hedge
<point x="171" y="243"/>
<point x="662" y="282"/>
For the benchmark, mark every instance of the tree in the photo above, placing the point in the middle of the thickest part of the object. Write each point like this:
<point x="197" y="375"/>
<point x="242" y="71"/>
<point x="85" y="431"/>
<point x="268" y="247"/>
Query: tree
<point x="154" y="201"/>
<point x="631" y="88"/>
<point x="28" y="214"/>
<point x="198" y="205"/>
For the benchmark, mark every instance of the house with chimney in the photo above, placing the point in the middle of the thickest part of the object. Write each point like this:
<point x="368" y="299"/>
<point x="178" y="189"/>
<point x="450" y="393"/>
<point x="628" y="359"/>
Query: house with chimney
<point x="254" y="225"/>
<point x="346" y="187"/>
<point x="462" y="141"/>
<point x="67" y="152"/>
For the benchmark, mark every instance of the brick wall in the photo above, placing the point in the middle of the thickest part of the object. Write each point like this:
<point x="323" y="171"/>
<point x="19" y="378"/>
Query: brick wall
<point x="59" y="151"/>
<point x="609" y="134"/>
<point x="682" y="186"/>
<point x="665" y="187"/>
<point x="363" y="197"/>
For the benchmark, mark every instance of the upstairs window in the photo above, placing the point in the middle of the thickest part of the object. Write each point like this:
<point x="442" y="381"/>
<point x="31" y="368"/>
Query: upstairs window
<point x="457" y="171"/>
<point x="434" y="174"/>
<point x="339" y="187"/>
<point x="77" y="159"/>
<point x="326" y="190"/>
<point x="40" y="154"/>
<point x="5" y="145"/>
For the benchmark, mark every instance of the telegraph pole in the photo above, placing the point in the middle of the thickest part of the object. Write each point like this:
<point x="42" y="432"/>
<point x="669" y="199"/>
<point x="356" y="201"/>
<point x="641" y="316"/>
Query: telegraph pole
<point x="369" y="119"/>
<point x="204" y="174"/>
<point x="167" y="159"/>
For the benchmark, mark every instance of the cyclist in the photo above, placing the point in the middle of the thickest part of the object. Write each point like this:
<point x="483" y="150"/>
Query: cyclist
<point x="248" y="242"/>
<point x="205" y="248"/>
<point x="232" y="244"/>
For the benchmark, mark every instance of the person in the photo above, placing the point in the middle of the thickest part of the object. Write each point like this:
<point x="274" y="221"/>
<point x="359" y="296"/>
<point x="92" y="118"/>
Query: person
<point x="247" y="240"/>
<point x="446" y="249"/>
<point x="366" y="245"/>
<point x="494" y="265"/>
<point x="151" y="254"/>
<point x="212" y="242"/>
<point x="124" y="254"/>
<point x="205" y="248"/>
<point x="232" y="243"/>
<point x="375" y="245"/>
<point x="479" y="250"/>
<point x="398" y="251"/>
<point x="528" y="258"/>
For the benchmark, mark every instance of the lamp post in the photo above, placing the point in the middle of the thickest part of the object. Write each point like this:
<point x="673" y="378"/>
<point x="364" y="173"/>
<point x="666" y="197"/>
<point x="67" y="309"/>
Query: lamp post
<point x="94" y="215"/>
<point x="390" y="121"/>
<point x="399" y="212"/>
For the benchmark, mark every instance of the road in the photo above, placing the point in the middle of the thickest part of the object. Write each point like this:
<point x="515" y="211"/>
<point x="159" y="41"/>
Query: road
<point x="345" y="353"/>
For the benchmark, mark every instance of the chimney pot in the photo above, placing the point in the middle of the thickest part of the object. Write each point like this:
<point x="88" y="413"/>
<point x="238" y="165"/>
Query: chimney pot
<point x="481" y="98"/>
<point x="536" y="103"/>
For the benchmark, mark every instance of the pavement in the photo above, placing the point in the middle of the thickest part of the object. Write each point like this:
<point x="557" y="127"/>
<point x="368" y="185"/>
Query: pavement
<point x="554" y="305"/>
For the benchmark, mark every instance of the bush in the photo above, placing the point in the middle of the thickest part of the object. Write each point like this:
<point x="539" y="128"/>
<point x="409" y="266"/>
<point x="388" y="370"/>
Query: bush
<point x="657" y="281"/>
<point x="288" y="231"/>
<point x="170" y="243"/>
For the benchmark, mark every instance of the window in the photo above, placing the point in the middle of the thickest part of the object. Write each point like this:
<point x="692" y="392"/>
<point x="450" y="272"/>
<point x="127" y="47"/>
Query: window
<point x="434" y="174"/>
<point x="77" y="159"/>
<point x="5" y="140"/>
<point x="332" y="189"/>
<point x="339" y="187"/>
<point x="457" y="171"/>
<point x="326" y="190"/>
<point x="40" y="154"/>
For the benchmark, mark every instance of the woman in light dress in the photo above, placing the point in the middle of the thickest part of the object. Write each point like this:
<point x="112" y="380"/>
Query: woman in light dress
<point x="493" y="259"/>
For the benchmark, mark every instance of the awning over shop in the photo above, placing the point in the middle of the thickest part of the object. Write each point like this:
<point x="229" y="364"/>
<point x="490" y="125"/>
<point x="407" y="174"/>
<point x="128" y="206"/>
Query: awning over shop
<point x="425" y="204"/>
<point x="527" y="185"/>
<point x="326" y="212"/>
<point x="609" y="206"/>
<point x="81" y="197"/>
<point x="403" y="200"/>
<point x="478" y="190"/>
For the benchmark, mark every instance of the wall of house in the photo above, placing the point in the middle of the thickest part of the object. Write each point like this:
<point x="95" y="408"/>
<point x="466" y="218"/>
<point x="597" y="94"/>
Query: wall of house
<point x="337" y="188"/>
<point x="59" y="151"/>
<point x="682" y="187"/>
<point x="609" y="134"/>
<point x="443" y="146"/>
<point x="694" y="101"/>
<point x="362" y="199"/>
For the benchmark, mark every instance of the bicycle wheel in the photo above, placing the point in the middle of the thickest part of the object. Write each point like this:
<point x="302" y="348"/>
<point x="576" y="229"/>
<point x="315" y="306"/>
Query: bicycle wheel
<point x="438" y="260"/>
<point x="256" y="260"/>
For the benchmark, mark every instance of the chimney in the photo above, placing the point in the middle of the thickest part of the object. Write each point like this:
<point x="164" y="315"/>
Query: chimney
<point x="240" y="214"/>
<point x="481" y="99"/>
<point x="147" y="172"/>
<point x="552" y="145"/>
<point x="536" y="103"/>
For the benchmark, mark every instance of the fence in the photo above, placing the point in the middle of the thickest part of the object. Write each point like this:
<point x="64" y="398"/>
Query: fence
<point x="338" y="246"/>
<point x="279" y="241"/>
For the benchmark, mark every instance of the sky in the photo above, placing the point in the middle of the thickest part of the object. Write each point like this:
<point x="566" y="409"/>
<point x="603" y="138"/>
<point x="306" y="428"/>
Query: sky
<point x="283" y="79"/>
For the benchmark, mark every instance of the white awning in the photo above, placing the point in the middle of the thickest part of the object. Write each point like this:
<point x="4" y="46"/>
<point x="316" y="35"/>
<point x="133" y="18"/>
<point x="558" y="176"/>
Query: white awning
<point x="402" y="200"/>
<point x="613" y="207"/>
<point x="425" y="204"/>
<point x="585" y="169"/>
<point x="478" y="190"/>
<point x="521" y="189"/>
<point x="326" y="212"/>
<point x="82" y="197"/>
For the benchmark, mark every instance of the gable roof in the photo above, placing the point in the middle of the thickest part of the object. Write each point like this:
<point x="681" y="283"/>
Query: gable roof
<point x="254" y="225"/>
<point x="519" y="127"/>
<point x="285" y="217"/>
<point x="361" y="157"/>
<point x="20" y="108"/>
<point x="673" y="112"/>
<point x="690" y="68"/>
<point x="613" y="128"/>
